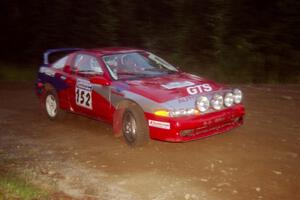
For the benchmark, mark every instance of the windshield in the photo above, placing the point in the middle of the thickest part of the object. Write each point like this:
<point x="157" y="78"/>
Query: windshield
<point x="136" y="65"/>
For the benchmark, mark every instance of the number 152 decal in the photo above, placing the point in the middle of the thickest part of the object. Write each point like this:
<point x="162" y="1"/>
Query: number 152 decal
<point x="83" y="98"/>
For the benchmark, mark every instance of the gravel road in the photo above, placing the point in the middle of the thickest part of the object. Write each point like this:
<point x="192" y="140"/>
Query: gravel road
<point x="80" y="157"/>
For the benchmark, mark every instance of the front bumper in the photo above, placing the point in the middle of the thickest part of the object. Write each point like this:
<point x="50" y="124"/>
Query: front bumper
<point x="194" y="127"/>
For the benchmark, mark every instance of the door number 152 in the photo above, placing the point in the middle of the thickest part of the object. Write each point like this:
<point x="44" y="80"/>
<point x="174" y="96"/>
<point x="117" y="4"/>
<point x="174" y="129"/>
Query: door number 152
<point x="83" y="98"/>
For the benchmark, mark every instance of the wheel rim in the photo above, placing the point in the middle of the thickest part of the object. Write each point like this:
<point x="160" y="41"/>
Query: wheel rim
<point x="51" y="105"/>
<point x="129" y="127"/>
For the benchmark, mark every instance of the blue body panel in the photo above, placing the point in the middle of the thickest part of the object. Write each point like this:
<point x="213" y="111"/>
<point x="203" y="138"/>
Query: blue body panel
<point x="55" y="81"/>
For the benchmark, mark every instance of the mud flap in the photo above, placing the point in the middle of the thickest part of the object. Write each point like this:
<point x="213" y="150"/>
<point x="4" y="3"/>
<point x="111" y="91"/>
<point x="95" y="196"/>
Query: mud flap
<point x="117" y="122"/>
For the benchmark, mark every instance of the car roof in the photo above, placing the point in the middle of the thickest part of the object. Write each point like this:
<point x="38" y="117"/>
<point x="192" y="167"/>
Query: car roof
<point x="109" y="50"/>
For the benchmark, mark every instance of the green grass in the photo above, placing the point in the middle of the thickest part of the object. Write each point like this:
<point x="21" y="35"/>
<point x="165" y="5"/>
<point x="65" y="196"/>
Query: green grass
<point x="17" y="73"/>
<point x="13" y="187"/>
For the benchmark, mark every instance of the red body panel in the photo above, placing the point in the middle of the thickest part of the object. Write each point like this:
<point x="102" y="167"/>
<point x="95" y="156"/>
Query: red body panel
<point x="152" y="90"/>
<point x="201" y="126"/>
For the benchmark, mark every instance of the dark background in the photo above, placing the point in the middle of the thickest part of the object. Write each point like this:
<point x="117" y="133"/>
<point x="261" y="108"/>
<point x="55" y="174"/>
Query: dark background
<point x="233" y="41"/>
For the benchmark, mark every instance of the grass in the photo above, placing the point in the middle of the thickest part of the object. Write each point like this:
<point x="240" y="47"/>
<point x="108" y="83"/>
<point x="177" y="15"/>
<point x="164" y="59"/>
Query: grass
<point x="11" y="72"/>
<point x="13" y="187"/>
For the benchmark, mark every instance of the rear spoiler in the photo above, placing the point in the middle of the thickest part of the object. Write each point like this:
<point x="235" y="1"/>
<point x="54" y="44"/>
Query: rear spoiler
<point x="50" y="51"/>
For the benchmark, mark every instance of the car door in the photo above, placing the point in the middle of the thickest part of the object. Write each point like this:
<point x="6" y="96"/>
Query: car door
<point x="59" y="81"/>
<point x="85" y="97"/>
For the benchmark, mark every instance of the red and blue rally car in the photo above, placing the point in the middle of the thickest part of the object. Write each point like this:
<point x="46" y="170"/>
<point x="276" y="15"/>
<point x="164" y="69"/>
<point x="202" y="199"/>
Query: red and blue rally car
<point x="139" y="93"/>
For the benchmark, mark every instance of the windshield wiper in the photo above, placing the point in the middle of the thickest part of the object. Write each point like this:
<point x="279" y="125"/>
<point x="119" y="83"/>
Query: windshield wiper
<point x="159" y="70"/>
<point x="88" y="70"/>
<point x="171" y="72"/>
<point x="153" y="69"/>
<point x="134" y="75"/>
<point x="127" y="73"/>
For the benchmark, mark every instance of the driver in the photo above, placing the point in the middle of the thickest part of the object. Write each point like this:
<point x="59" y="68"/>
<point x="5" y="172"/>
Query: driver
<point x="129" y="61"/>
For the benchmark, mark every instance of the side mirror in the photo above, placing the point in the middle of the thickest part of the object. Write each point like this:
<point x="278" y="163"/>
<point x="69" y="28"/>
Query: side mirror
<point x="100" y="81"/>
<point x="67" y="69"/>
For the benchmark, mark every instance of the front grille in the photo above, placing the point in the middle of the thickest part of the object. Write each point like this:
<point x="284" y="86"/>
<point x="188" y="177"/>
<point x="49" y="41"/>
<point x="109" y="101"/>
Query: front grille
<point x="211" y="128"/>
<point x="198" y="131"/>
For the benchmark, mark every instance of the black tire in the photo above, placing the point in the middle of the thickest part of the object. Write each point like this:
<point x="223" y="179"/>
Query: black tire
<point x="52" y="111"/>
<point x="134" y="126"/>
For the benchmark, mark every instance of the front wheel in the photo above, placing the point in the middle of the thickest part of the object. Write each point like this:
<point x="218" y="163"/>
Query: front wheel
<point x="134" y="127"/>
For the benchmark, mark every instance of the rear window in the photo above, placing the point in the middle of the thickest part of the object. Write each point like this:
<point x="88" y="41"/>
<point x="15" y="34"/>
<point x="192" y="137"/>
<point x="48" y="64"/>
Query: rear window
<point x="60" y="63"/>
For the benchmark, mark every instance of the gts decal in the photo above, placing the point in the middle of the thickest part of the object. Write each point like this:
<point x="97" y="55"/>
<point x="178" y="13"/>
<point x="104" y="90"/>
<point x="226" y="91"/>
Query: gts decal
<point x="199" y="89"/>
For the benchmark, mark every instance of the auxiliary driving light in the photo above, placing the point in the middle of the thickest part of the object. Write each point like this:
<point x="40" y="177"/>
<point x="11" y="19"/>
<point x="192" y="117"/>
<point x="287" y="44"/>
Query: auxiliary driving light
<point x="238" y="95"/>
<point x="217" y="102"/>
<point x="228" y="99"/>
<point x="202" y="103"/>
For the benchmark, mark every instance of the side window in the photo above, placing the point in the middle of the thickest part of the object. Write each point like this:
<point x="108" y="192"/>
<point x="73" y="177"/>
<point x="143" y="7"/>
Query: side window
<point x="95" y="65"/>
<point x="86" y="63"/>
<point x="78" y="59"/>
<point x="60" y="63"/>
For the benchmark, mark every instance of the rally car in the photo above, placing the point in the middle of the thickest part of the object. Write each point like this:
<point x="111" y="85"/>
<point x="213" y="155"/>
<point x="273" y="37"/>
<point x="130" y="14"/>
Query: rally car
<point x="139" y="93"/>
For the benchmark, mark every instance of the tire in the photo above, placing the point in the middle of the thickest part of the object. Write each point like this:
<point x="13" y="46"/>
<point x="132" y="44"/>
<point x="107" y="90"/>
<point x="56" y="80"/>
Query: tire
<point x="51" y="106"/>
<point x="134" y="127"/>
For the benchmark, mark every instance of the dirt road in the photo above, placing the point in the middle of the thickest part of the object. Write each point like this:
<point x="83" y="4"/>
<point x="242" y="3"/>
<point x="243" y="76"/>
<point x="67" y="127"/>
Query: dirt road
<point x="81" y="158"/>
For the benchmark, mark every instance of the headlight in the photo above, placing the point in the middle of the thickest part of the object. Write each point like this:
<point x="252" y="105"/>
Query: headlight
<point x="183" y="112"/>
<point x="202" y="103"/>
<point x="238" y="96"/>
<point x="217" y="102"/>
<point x="228" y="99"/>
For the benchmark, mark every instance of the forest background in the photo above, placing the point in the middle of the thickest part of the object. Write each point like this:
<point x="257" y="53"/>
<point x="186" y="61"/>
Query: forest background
<point x="234" y="41"/>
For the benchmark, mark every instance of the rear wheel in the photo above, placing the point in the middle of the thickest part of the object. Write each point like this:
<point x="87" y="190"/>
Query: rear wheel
<point x="51" y="105"/>
<point x="134" y="126"/>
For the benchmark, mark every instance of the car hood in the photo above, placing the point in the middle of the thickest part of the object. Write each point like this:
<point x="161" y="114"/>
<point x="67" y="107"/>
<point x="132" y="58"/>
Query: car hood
<point x="173" y="86"/>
